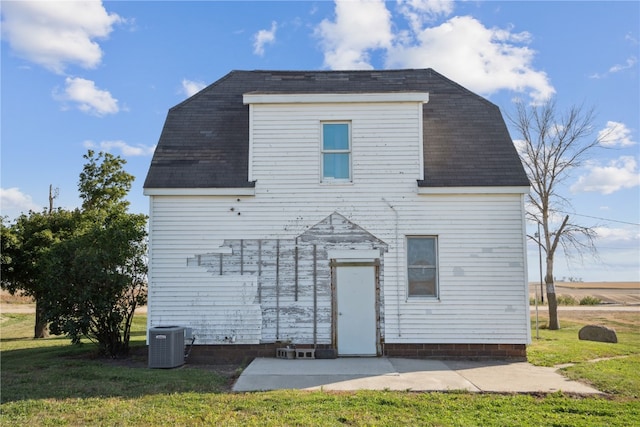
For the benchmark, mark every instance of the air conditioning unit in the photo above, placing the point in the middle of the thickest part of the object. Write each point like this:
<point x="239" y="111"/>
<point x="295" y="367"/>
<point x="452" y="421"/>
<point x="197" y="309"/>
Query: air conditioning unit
<point x="166" y="346"/>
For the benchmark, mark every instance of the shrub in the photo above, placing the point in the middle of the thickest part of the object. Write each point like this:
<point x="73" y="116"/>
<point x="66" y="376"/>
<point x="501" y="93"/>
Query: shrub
<point x="566" y="300"/>
<point x="532" y="301"/>
<point x="589" y="300"/>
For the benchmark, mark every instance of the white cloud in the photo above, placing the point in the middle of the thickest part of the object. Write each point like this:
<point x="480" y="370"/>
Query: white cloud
<point x="417" y="12"/>
<point x="359" y="27"/>
<point x="13" y="200"/>
<point x="264" y="37"/>
<point x="88" y="97"/>
<point x="631" y="61"/>
<point x="124" y="148"/>
<point x="482" y="59"/>
<point x="190" y="87"/>
<point x="615" y="134"/>
<point x="55" y="34"/>
<point x="618" y="174"/>
<point x="617" y="234"/>
<point x="521" y="145"/>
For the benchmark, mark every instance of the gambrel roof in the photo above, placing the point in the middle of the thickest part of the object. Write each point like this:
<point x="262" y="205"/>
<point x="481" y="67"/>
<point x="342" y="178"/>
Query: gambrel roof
<point x="205" y="139"/>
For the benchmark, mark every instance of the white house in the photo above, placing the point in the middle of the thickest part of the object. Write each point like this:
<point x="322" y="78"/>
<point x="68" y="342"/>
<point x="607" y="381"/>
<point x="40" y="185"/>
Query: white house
<point x="361" y="213"/>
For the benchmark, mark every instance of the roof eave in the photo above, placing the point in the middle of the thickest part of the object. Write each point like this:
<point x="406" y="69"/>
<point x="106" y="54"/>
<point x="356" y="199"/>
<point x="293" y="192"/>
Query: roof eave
<point x="507" y="189"/>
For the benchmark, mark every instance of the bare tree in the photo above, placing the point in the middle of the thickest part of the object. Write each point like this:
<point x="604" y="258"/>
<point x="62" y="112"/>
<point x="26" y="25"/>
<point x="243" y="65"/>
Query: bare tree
<point x="53" y="194"/>
<point x="552" y="145"/>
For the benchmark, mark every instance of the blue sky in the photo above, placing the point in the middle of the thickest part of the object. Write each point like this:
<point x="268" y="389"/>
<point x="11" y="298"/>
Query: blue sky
<point x="102" y="75"/>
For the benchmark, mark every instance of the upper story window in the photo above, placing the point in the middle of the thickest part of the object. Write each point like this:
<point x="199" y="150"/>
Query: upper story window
<point x="336" y="151"/>
<point x="422" y="266"/>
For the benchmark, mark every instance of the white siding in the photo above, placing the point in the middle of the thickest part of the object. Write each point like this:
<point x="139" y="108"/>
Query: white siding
<point x="286" y="144"/>
<point x="482" y="271"/>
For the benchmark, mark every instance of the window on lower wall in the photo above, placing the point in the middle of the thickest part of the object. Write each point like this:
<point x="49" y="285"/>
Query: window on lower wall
<point x="336" y="152"/>
<point x="422" y="266"/>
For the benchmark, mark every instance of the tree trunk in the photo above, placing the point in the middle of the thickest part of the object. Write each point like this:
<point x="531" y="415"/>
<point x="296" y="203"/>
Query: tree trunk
<point x="554" y="323"/>
<point x="41" y="329"/>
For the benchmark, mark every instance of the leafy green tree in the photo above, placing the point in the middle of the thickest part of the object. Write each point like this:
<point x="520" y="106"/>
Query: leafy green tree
<point x="26" y="245"/>
<point x="97" y="277"/>
<point x="104" y="183"/>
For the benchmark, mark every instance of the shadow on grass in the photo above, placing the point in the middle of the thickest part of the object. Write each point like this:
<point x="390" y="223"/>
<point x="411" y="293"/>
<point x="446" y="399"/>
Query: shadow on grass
<point x="76" y="371"/>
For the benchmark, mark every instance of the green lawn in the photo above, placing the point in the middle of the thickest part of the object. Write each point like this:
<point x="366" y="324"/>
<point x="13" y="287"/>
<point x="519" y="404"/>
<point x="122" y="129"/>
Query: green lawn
<point x="617" y="374"/>
<point x="320" y="408"/>
<point x="50" y="382"/>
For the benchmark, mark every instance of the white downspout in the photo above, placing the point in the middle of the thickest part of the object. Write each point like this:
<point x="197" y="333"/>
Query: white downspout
<point x="397" y="249"/>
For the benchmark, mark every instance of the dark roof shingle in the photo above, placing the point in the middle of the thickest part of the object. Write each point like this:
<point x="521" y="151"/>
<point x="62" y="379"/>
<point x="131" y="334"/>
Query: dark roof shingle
<point x="205" y="139"/>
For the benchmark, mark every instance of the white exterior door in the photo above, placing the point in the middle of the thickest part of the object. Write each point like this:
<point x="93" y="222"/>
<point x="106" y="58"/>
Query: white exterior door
<point x="356" y="310"/>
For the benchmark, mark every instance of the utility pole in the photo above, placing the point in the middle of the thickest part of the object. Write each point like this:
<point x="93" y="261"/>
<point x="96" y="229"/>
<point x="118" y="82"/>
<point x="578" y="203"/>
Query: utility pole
<point x="540" y="263"/>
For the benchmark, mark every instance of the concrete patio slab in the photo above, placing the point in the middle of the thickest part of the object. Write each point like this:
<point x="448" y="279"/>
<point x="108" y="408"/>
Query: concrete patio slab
<point x="517" y="377"/>
<point x="404" y="374"/>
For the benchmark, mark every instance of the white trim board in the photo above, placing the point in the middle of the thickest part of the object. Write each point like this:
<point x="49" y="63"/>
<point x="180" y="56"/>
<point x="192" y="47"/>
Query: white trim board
<point x="324" y="98"/>
<point x="251" y="191"/>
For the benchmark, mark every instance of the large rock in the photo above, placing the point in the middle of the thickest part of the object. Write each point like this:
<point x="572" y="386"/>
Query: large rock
<point x="598" y="333"/>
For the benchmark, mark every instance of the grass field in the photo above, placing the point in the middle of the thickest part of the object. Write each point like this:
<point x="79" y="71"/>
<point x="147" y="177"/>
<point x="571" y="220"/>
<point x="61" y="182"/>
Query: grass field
<point x="611" y="368"/>
<point x="50" y="382"/>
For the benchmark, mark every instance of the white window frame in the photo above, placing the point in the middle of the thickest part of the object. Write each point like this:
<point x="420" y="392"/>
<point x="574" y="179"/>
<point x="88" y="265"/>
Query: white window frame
<point x="436" y="294"/>
<point x="349" y="151"/>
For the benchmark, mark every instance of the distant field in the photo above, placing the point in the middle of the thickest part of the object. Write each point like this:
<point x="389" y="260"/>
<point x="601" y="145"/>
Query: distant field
<point x="597" y="285"/>
<point x="7" y="298"/>
<point x="626" y="293"/>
